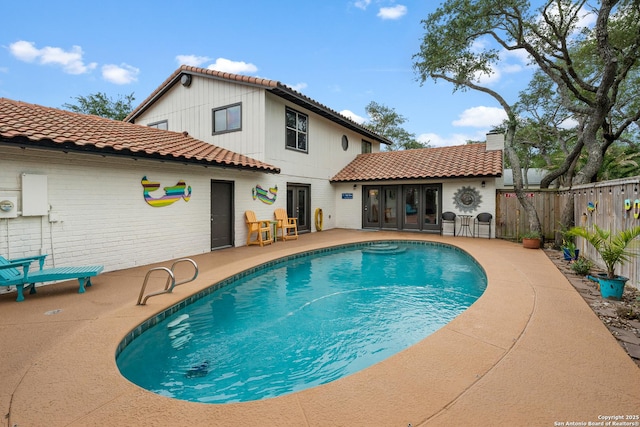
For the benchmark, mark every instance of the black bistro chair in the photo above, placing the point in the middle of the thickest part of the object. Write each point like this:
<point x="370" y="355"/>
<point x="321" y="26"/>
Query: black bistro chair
<point x="483" y="218"/>
<point x="448" y="218"/>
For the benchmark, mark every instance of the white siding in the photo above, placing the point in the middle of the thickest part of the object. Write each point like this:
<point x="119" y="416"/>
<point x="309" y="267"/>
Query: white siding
<point x="190" y="109"/>
<point x="325" y="156"/>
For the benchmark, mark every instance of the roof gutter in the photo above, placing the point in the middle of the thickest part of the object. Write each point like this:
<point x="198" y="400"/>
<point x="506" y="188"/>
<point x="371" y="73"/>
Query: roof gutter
<point x="70" y="147"/>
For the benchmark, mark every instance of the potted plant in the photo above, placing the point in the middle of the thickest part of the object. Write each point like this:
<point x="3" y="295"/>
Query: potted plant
<point x="569" y="250"/>
<point x="614" y="250"/>
<point x="531" y="240"/>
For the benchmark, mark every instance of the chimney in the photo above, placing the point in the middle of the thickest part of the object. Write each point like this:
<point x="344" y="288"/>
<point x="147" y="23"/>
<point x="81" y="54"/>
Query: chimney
<point x="495" y="141"/>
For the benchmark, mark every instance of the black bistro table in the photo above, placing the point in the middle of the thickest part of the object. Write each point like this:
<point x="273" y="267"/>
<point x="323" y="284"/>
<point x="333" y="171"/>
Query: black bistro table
<point x="465" y="225"/>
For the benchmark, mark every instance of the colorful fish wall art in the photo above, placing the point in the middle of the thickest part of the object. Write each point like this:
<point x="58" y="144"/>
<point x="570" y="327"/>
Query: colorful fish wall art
<point x="635" y="207"/>
<point x="171" y="194"/>
<point x="265" y="196"/>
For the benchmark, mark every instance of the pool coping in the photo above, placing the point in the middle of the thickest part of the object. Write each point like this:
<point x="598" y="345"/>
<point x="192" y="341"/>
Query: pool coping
<point x="529" y="352"/>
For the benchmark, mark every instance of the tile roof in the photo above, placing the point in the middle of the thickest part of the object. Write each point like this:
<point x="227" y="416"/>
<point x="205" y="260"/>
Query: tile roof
<point x="444" y="162"/>
<point x="33" y="125"/>
<point x="273" y="86"/>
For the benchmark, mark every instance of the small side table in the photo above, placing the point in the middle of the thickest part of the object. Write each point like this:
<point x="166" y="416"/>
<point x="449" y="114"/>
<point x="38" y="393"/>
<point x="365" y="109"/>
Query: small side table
<point x="465" y="225"/>
<point x="274" y="228"/>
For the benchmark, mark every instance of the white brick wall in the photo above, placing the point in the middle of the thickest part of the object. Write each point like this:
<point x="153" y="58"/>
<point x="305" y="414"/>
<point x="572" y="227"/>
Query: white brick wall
<point x="104" y="218"/>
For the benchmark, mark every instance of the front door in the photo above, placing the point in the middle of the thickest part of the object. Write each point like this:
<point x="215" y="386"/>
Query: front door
<point x="299" y="205"/>
<point x="221" y="214"/>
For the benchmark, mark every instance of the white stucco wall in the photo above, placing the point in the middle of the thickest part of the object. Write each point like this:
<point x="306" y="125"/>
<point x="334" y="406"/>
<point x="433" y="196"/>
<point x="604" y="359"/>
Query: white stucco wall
<point x="487" y="203"/>
<point x="349" y="210"/>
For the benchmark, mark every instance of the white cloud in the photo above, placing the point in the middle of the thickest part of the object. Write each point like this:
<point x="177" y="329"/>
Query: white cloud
<point x="298" y="86"/>
<point x="120" y="74"/>
<point x="486" y="79"/>
<point x="435" y="140"/>
<point x="395" y="12"/>
<point x="509" y="62"/>
<point x="569" y="123"/>
<point x="362" y="4"/>
<point x="520" y="55"/>
<point x="481" y="117"/>
<point x="236" y="67"/>
<point x="587" y="20"/>
<point x="478" y="45"/>
<point x="192" y="60"/>
<point x="24" y="51"/>
<point x="353" y="116"/>
<point x="512" y="68"/>
<point x="71" y="61"/>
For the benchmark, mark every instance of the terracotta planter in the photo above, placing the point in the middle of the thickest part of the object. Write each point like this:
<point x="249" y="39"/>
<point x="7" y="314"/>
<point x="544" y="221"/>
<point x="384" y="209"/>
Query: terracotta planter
<point x="530" y="243"/>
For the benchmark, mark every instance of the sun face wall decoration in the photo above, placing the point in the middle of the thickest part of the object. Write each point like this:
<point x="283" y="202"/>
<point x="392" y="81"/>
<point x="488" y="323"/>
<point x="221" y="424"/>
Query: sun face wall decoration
<point x="467" y="199"/>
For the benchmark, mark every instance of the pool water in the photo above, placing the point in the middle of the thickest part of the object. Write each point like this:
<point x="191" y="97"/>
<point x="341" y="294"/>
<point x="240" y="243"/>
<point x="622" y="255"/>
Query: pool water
<point x="304" y="322"/>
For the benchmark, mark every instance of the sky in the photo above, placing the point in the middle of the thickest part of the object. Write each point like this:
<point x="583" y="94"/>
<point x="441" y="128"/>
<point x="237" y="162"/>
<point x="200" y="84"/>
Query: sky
<point x="341" y="53"/>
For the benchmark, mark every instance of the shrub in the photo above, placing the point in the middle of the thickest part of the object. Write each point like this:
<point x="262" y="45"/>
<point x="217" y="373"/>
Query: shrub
<point x="581" y="266"/>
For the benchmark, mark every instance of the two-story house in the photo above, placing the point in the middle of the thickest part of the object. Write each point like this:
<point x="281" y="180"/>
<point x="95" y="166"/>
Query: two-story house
<point x="203" y="148"/>
<point x="326" y="161"/>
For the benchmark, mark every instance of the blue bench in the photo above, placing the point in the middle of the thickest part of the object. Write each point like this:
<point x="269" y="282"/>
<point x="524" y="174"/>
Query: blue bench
<point x="16" y="273"/>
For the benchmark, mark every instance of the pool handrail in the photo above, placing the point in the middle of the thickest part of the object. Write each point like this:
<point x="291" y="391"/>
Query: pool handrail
<point x="171" y="280"/>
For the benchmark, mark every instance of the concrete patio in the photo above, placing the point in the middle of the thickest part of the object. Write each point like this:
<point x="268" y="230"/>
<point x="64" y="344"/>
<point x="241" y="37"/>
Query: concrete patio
<point x="529" y="352"/>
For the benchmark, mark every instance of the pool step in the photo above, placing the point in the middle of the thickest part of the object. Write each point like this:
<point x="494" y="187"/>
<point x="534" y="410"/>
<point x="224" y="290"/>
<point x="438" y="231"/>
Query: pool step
<point x="384" y="248"/>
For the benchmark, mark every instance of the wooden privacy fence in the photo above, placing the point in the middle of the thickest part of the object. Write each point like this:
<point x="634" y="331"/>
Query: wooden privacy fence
<point x="611" y="205"/>
<point x="512" y="221"/>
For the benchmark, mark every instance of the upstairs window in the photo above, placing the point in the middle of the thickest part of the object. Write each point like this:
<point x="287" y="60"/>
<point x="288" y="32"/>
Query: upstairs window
<point x="164" y="125"/>
<point x="297" y="130"/>
<point x="227" y="119"/>
<point x="366" y="146"/>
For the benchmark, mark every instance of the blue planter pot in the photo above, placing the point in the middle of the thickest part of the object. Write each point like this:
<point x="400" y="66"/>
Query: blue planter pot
<point x="567" y="254"/>
<point x="610" y="288"/>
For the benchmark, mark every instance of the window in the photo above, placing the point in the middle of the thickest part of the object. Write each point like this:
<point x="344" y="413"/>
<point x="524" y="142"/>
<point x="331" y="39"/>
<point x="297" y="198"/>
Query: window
<point x="366" y="146"/>
<point x="164" y="125"/>
<point x="227" y="119"/>
<point x="345" y="142"/>
<point x="297" y="130"/>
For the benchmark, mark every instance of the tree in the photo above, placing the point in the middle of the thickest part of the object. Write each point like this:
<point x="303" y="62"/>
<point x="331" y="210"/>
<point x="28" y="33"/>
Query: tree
<point x="543" y="135"/>
<point x="386" y="122"/>
<point x="99" y="104"/>
<point x="588" y="68"/>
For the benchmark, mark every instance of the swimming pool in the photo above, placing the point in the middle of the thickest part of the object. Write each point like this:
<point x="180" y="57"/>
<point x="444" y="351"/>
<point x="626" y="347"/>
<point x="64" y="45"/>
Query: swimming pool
<point x="302" y="321"/>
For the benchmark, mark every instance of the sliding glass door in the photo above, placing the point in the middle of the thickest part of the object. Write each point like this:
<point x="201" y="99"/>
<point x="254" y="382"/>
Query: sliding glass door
<point x="404" y="207"/>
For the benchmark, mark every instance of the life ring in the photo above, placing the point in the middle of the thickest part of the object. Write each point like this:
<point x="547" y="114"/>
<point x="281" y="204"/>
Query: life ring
<point x="318" y="218"/>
